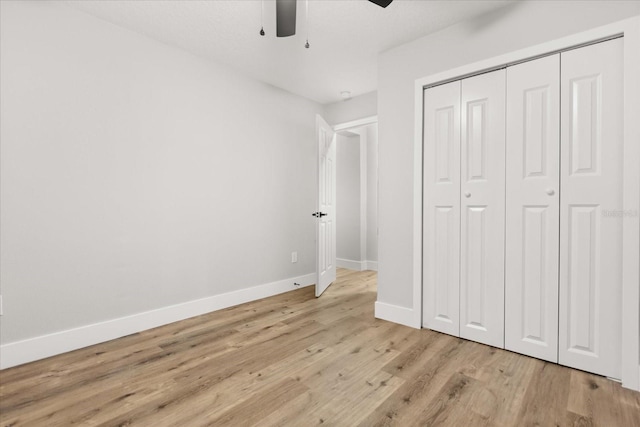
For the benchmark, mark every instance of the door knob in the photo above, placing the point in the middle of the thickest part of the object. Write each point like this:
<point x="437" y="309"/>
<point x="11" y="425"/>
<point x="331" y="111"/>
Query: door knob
<point x="467" y="194"/>
<point x="550" y="191"/>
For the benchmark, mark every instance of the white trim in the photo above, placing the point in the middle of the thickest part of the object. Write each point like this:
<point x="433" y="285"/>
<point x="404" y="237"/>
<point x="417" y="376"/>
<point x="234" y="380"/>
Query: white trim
<point x="17" y="353"/>
<point x="350" y="264"/>
<point x="631" y="203"/>
<point x="356" y="123"/>
<point x="629" y="28"/>
<point x="371" y="265"/>
<point x="395" y="314"/>
<point x="417" y="206"/>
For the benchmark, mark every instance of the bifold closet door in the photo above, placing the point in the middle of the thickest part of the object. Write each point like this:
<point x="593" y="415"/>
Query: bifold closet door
<point x="591" y="190"/>
<point x="482" y="207"/>
<point x="441" y="209"/>
<point x="532" y="223"/>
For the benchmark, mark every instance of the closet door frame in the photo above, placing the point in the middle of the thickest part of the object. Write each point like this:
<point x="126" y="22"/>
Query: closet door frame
<point x="630" y="30"/>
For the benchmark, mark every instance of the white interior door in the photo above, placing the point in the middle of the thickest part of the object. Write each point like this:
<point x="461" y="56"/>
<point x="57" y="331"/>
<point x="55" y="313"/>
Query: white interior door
<point x="441" y="209"/>
<point x="482" y="208"/>
<point x="532" y="208"/>
<point x="590" y="196"/>
<point x="326" y="214"/>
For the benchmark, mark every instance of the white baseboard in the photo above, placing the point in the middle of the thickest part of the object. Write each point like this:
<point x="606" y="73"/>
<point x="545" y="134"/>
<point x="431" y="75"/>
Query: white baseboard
<point x="19" y="352"/>
<point x="356" y="265"/>
<point x="349" y="264"/>
<point x="372" y="265"/>
<point x="395" y="314"/>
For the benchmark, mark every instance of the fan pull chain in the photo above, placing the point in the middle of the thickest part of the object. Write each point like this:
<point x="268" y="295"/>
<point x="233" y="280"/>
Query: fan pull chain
<point x="306" y="16"/>
<point x="262" y="20"/>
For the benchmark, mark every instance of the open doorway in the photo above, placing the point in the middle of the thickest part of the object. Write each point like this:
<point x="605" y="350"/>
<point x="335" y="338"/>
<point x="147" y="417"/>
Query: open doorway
<point x="357" y="195"/>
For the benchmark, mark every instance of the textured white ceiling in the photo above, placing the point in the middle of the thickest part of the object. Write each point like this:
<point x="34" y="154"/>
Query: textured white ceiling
<point x="345" y="35"/>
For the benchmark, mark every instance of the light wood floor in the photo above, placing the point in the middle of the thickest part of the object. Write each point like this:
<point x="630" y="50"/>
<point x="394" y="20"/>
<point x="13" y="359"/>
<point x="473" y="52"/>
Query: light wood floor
<point x="296" y="360"/>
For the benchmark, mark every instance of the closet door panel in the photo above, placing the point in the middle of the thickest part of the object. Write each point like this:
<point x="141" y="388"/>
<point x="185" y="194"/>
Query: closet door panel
<point x="591" y="195"/>
<point x="482" y="208"/>
<point x="532" y="208"/>
<point x="441" y="209"/>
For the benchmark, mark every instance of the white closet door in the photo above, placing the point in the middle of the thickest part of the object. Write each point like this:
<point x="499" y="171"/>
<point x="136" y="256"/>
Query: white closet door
<point x="441" y="210"/>
<point x="590" y="196"/>
<point x="532" y="207"/>
<point x="482" y="208"/>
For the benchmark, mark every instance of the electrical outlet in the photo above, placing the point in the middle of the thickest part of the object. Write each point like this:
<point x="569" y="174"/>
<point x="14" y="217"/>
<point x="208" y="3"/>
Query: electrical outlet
<point x="294" y="256"/>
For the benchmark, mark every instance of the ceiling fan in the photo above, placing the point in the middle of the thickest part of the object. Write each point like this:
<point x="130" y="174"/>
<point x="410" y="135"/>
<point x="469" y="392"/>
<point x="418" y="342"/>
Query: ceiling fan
<point x="286" y="16"/>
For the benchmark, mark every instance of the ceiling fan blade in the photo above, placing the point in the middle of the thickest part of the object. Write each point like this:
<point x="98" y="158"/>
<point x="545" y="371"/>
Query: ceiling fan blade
<point x="381" y="3"/>
<point x="285" y="18"/>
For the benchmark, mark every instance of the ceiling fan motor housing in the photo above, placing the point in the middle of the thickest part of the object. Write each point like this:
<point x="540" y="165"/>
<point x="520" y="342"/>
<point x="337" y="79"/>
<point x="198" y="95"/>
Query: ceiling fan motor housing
<point x="381" y="3"/>
<point x="285" y="18"/>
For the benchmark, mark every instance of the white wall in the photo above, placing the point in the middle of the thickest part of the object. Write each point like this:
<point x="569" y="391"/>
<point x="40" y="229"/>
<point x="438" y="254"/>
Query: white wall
<point x="348" y="198"/>
<point x="515" y="27"/>
<point x="358" y="107"/>
<point x="136" y="176"/>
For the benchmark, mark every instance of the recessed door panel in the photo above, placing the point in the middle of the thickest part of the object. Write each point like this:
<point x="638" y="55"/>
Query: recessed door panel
<point x="591" y="188"/>
<point x="444" y="144"/>
<point x="534" y="267"/>
<point x="532" y="208"/>
<point x="475" y="279"/>
<point x="536" y="119"/>
<point x="476" y="139"/>
<point x="585" y="130"/>
<point x="441" y="209"/>
<point x="584" y="262"/>
<point x="482" y="208"/>
<point x="445" y="257"/>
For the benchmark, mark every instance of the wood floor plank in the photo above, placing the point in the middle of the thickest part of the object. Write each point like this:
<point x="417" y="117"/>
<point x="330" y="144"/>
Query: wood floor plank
<point x="259" y="405"/>
<point x="294" y="359"/>
<point x="589" y="397"/>
<point x="448" y="406"/>
<point x="408" y="403"/>
<point x="506" y="378"/>
<point x="546" y="398"/>
<point x="412" y="360"/>
<point x="237" y="389"/>
<point x="347" y="401"/>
